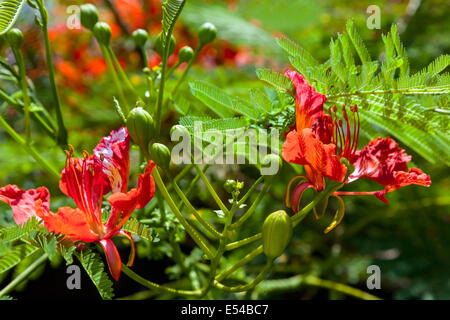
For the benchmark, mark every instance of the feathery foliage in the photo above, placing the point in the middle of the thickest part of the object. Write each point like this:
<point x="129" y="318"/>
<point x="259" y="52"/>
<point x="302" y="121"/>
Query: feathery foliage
<point x="9" y="11"/>
<point x="95" y="268"/>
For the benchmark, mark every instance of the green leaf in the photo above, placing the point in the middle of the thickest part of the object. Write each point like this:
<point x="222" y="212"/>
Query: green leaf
<point x="15" y="255"/>
<point x="171" y="11"/>
<point x="9" y="11"/>
<point x="136" y="228"/>
<point x="95" y="268"/>
<point x="295" y="50"/>
<point x="357" y="42"/>
<point x="275" y="79"/>
<point x="18" y="231"/>
<point x="214" y="98"/>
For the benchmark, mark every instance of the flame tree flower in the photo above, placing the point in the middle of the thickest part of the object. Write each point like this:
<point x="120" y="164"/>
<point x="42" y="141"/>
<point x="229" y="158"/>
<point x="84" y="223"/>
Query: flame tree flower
<point x="86" y="180"/>
<point x="327" y="146"/>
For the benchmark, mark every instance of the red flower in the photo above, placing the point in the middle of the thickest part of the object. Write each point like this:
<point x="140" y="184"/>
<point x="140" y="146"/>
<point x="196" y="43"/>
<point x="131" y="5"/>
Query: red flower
<point x="321" y="141"/>
<point x="303" y="145"/>
<point x="86" y="181"/>
<point x="384" y="162"/>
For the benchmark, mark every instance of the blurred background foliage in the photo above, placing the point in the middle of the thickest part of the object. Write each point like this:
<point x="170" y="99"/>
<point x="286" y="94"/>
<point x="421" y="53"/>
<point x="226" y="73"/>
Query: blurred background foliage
<point x="408" y="238"/>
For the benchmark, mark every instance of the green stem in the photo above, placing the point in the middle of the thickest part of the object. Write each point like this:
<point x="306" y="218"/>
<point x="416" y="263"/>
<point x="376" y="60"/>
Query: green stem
<point x="211" y="189"/>
<point x="115" y="78"/>
<point x="24" y="88"/>
<point x="252" y="208"/>
<point x="157" y="287"/>
<point x="199" y="239"/>
<point x="249" y="257"/>
<point x="179" y="176"/>
<point x="44" y="164"/>
<point x="185" y="72"/>
<point x="339" y="287"/>
<point x="199" y="218"/>
<point x="250" y="191"/>
<point x="160" y="99"/>
<point x="19" y="107"/>
<point x="220" y="251"/>
<point x="260" y="277"/>
<point x="144" y="56"/>
<point x="25" y="274"/>
<point x="299" y="216"/>
<point x="243" y="242"/>
<point x="62" y="132"/>
<point x="122" y="73"/>
<point x="171" y="70"/>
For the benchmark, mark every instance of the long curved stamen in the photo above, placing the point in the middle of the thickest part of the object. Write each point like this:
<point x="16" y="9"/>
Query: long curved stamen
<point x="78" y="187"/>
<point x="346" y="142"/>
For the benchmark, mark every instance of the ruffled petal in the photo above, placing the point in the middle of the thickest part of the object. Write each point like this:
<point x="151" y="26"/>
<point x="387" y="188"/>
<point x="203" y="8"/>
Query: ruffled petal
<point x="123" y="204"/>
<point x="67" y="221"/>
<point x="23" y="202"/>
<point x="378" y="161"/>
<point x="402" y="179"/>
<point x="112" y="257"/>
<point x="308" y="102"/>
<point x="304" y="149"/>
<point x="113" y="153"/>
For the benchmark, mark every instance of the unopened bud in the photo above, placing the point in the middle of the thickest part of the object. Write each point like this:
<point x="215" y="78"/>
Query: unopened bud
<point x="140" y="37"/>
<point x="207" y="33"/>
<point x="185" y="54"/>
<point x="160" y="154"/>
<point x="14" y="37"/>
<point x="140" y="126"/>
<point x="88" y="15"/>
<point x="102" y="33"/>
<point x="276" y="233"/>
<point x="159" y="46"/>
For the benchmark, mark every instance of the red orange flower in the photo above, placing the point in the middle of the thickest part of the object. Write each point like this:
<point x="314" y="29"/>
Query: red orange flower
<point x="320" y="142"/>
<point x="86" y="181"/>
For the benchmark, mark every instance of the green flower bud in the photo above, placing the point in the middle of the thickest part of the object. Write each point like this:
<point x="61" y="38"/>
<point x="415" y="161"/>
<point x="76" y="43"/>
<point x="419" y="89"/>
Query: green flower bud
<point x="186" y="54"/>
<point x="14" y="37"/>
<point x="230" y="185"/>
<point x="102" y="33"/>
<point x="140" y="126"/>
<point x="276" y="233"/>
<point x="207" y="33"/>
<point x="159" y="45"/>
<point x="234" y="187"/>
<point x="140" y="37"/>
<point x="160" y="154"/>
<point x="88" y="15"/>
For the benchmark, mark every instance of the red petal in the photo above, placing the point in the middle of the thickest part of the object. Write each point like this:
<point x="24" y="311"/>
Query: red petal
<point x="296" y="195"/>
<point x="69" y="222"/>
<point x="125" y="203"/>
<point x="304" y="149"/>
<point x="402" y="179"/>
<point x="113" y="153"/>
<point x="379" y="161"/>
<point x="23" y="202"/>
<point x="133" y="246"/>
<point x="308" y="102"/>
<point x="84" y="181"/>
<point x="112" y="257"/>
